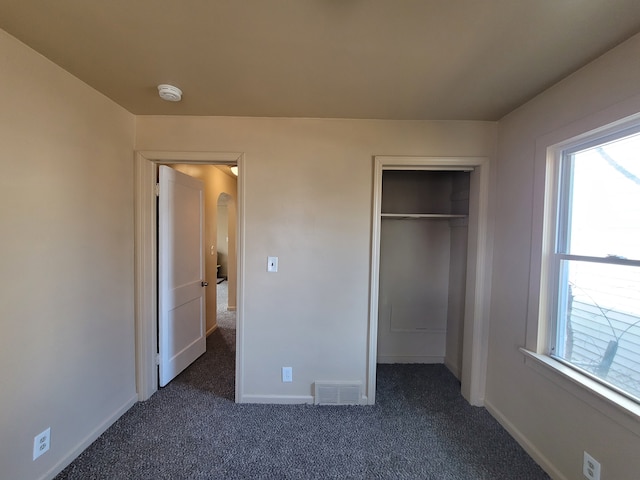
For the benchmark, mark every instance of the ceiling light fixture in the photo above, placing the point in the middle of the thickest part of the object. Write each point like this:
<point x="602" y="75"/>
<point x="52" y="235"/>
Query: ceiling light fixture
<point x="234" y="170"/>
<point x="169" y="93"/>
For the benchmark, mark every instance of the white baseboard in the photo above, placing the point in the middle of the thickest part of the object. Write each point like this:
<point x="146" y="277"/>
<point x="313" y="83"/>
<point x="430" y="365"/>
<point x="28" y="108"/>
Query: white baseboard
<point x="212" y="329"/>
<point x="89" y="439"/>
<point x="277" y="399"/>
<point x="524" y="442"/>
<point x="409" y="359"/>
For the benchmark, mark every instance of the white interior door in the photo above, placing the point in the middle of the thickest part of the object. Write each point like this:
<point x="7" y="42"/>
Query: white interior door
<point x="181" y="283"/>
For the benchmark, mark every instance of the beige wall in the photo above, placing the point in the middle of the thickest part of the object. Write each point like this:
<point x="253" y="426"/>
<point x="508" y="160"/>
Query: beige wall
<point x="556" y="423"/>
<point x="308" y="199"/>
<point x="66" y="270"/>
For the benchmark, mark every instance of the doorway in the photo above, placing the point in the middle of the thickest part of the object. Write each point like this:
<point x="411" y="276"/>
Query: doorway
<point x="225" y="260"/>
<point x="146" y="259"/>
<point x="225" y="245"/>
<point x="478" y="273"/>
<point x="220" y="192"/>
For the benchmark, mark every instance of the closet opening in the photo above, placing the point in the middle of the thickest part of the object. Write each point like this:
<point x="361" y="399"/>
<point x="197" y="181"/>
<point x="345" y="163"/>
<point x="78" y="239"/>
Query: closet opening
<point x="430" y="267"/>
<point x="423" y="262"/>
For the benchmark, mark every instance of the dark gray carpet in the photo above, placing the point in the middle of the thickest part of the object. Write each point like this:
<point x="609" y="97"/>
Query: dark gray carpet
<point x="421" y="428"/>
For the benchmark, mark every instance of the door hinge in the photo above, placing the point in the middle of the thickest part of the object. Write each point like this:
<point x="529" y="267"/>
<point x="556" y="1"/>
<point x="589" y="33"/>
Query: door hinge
<point x="157" y="359"/>
<point x="157" y="189"/>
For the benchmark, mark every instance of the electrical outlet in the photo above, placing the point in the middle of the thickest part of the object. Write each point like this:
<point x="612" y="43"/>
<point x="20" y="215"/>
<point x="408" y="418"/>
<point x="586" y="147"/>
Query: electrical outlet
<point x="287" y="374"/>
<point x="41" y="443"/>
<point x="590" y="467"/>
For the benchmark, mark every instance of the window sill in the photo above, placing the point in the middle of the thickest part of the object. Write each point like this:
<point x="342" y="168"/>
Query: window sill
<point x="618" y="408"/>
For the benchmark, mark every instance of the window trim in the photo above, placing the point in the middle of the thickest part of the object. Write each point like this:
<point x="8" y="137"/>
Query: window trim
<point x="560" y="212"/>
<point x="611" y="121"/>
<point x="614" y="405"/>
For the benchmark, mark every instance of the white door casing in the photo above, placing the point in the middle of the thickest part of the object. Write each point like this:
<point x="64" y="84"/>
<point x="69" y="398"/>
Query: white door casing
<point x="479" y="257"/>
<point x="181" y="282"/>
<point x="146" y="316"/>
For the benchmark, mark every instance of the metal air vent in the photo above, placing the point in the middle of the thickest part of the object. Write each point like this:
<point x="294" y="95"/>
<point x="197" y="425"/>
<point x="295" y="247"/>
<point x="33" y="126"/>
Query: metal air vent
<point x="337" y="393"/>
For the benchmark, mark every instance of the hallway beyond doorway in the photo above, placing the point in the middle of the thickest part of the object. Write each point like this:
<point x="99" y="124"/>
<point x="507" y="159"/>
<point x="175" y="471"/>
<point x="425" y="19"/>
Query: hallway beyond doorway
<point x="224" y="317"/>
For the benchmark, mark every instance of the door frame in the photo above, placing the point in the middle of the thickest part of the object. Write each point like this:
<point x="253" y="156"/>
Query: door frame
<point x="478" y="281"/>
<point x="145" y="259"/>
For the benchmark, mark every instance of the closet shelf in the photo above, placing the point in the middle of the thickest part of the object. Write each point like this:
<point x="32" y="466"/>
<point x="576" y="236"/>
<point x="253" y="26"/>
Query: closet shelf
<point x="405" y="216"/>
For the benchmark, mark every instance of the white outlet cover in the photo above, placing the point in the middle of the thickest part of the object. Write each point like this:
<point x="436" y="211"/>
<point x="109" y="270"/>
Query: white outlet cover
<point x="590" y="467"/>
<point x="287" y="374"/>
<point x="41" y="443"/>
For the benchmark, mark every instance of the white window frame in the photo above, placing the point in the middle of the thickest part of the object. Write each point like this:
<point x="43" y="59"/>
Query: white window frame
<point x="559" y="210"/>
<point x="543" y="277"/>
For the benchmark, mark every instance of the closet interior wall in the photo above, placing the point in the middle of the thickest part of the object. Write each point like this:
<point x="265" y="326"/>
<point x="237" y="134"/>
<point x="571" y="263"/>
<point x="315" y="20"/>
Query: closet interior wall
<point x="423" y="258"/>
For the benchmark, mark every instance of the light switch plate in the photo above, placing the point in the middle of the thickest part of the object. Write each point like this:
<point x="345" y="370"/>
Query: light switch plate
<point x="272" y="264"/>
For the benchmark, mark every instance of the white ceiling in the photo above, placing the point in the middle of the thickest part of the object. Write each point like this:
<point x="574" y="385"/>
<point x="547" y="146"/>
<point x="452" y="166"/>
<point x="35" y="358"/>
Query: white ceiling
<point x="386" y="59"/>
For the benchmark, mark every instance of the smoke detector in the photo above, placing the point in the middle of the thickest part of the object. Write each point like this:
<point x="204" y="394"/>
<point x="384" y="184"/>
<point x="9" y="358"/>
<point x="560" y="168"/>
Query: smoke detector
<point x="169" y="93"/>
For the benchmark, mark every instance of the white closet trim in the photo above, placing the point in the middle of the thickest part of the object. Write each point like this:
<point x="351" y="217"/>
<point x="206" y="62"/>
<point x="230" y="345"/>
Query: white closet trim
<point x="475" y="344"/>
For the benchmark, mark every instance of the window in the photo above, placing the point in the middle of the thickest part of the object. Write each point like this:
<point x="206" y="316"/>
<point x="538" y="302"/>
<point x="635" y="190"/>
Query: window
<point x="594" y="267"/>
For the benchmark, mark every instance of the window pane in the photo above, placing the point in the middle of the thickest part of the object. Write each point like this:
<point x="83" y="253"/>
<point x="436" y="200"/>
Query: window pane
<point x="605" y="200"/>
<point x="599" y="321"/>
